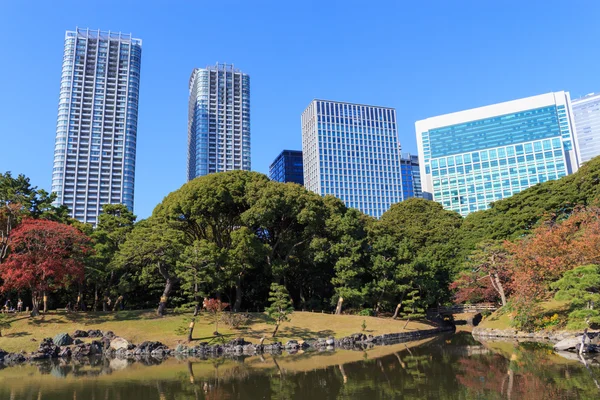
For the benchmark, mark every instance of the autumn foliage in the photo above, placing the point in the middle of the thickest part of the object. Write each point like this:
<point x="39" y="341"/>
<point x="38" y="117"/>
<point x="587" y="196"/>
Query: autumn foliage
<point x="44" y="255"/>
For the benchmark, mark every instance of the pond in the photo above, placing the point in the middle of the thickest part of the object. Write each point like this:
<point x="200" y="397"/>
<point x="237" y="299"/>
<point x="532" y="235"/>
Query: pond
<point x="444" y="367"/>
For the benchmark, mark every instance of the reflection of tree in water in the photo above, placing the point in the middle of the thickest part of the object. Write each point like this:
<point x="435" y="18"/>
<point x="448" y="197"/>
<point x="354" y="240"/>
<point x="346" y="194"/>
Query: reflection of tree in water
<point x="527" y="371"/>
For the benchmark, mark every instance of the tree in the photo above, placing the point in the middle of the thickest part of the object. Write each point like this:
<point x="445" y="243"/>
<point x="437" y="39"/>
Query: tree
<point x="490" y="261"/>
<point x="44" y="255"/>
<point x="18" y="200"/>
<point x="281" y="306"/>
<point x="581" y="286"/>
<point x="200" y="270"/>
<point x="153" y="248"/>
<point x="412" y="306"/>
<point x="115" y="222"/>
<point x="216" y="308"/>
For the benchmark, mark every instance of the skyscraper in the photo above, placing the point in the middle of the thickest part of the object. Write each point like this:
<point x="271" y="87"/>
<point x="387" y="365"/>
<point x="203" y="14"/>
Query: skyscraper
<point x="287" y="167"/>
<point x="218" y="120"/>
<point x="586" y="111"/>
<point x="474" y="157"/>
<point x="411" y="176"/>
<point x="351" y="151"/>
<point x="94" y="153"/>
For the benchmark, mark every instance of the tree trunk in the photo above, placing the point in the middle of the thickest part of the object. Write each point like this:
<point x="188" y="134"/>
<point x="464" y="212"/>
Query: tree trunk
<point x="406" y="324"/>
<point x="35" y="309"/>
<point x="398" y="307"/>
<point x="275" y="331"/>
<point x="498" y="287"/>
<point x="197" y="300"/>
<point x="95" y="306"/>
<point x="338" y="308"/>
<point x="191" y="331"/>
<point x="45" y="302"/>
<point x="238" y="294"/>
<point x="118" y="303"/>
<point x="162" y="305"/>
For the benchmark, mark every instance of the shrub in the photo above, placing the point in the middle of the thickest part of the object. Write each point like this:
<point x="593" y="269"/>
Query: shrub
<point x="235" y="320"/>
<point x="366" y="312"/>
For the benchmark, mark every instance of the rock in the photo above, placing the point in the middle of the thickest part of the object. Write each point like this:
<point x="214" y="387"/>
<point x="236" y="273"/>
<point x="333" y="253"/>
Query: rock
<point x="65" y="352"/>
<point x="569" y="343"/>
<point x="94" y="333"/>
<point x="48" y="348"/>
<point x="109" y="334"/>
<point x="238" y="342"/>
<point x="77" y="341"/>
<point x="14" y="358"/>
<point x="80" y="334"/>
<point x="63" y="339"/>
<point x="330" y="341"/>
<point x="181" y="349"/>
<point x="119" y="343"/>
<point x="148" y="347"/>
<point x="292" y="345"/>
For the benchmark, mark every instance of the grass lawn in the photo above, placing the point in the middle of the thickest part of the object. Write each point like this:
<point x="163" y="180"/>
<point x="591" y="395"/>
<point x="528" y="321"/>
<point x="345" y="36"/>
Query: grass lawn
<point x="501" y="319"/>
<point x="138" y="326"/>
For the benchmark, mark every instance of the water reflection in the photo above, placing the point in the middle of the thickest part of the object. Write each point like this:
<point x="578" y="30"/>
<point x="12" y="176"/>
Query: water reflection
<point x="447" y="367"/>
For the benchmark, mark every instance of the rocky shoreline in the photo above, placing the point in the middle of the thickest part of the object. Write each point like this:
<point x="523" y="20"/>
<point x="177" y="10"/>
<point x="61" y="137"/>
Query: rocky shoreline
<point x="108" y="345"/>
<point x="553" y="336"/>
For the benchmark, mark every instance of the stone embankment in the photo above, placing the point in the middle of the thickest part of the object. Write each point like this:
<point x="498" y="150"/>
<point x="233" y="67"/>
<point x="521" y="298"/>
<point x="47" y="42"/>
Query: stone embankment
<point x="107" y="344"/>
<point x="554" y="336"/>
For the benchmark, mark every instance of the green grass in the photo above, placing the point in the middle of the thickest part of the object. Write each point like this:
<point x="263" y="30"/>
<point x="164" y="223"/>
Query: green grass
<point x="139" y="326"/>
<point x="501" y="319"/>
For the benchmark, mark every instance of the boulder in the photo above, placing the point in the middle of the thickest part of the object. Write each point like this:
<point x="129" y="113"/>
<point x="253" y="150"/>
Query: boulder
<point x="63" y="339"/>
<point x="569" y="343"/>
<point x="77" y="341"/>
<point x="80" y="334"/>
<point x="330" y="341"/>
<point x="65" y="352"/>
<point x="238" y="342"/>
<point x="94" y="333"/>
<point x="109" y="334"/>
<point x="149" y="347"/>
<point x="119" y="343"/>
<point x="14" y="358"/>
<point x="48" y="348"/>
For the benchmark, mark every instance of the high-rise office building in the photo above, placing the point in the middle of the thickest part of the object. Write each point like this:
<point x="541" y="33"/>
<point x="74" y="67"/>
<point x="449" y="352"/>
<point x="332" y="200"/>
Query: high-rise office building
<point x="586" y="112"/>
<point x="218" y="121"/>
<point x="474" y="157"/>
<point x="411" y="176"/>
<point x="351" y="151"/>
<point x="94" y="153"/>
<point x="287" y="167"/>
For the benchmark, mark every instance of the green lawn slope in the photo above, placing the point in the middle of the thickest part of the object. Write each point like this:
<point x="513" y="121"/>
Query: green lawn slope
<point x="138" y="326"/>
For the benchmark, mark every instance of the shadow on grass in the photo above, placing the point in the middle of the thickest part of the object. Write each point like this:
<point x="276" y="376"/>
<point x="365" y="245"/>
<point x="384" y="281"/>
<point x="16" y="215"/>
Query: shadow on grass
<point x="303" y="333"/>
<point x="17" y="334"/>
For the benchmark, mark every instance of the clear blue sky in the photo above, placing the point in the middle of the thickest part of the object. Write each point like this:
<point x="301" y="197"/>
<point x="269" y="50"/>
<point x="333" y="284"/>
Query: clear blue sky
<point x="422" y="57"/>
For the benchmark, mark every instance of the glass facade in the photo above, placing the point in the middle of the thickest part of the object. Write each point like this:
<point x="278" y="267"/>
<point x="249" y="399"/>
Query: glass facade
<point x="586" y="111"/>
<point x="96" y="133"/>
<point x="411" y="176"/>
<point x="287" y="167"/>
<point x="479" y="156"/>
<point x="218" y="121"/>
<point x="351" y="151"/>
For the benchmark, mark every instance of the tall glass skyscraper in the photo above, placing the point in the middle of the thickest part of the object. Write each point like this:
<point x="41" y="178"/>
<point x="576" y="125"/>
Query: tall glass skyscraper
<point x="474" y="157"/>
<point x="287" y="167"/>
<point x="94" y="153"/>
<point x="351" y="151"/>
<point x="411" y="176"/>
<point x="587" y="121"/>
<point x="218" y="121"/>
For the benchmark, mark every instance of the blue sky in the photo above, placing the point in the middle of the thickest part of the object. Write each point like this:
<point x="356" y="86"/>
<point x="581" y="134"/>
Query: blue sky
<point x="424" y="58"/>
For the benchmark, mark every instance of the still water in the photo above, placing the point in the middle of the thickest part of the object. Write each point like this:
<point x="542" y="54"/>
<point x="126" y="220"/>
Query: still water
<point x="445" y="367"/>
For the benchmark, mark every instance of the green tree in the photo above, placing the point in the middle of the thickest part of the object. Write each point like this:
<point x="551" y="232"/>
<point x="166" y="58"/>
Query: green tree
<point x="412" y="307"/>
<point x="153" y="248"/>
<point x="115" y="222"/>
<point x="580" y="286"/>
<point x="281" y="306"/>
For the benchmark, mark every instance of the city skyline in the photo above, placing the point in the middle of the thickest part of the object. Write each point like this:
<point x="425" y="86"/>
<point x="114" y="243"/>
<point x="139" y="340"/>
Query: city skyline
<point x="281" y="56"/>
<point x="95" y="148"/>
